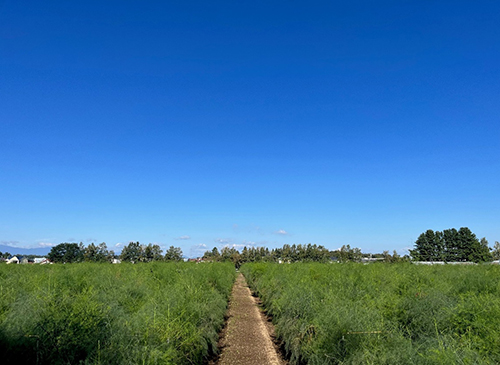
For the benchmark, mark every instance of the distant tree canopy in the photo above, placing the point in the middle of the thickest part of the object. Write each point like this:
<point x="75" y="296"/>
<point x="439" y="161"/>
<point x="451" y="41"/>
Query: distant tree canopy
<point x="496" y="251"/>
<point x="173" y="254"/>
<point x="288" y="253"/>
<point x="135" y="252"/>
<point x="66" y="253"/>
<point x="346" y="254"/>
<point x="99" y="253"/>
<point x="451" y="245"/>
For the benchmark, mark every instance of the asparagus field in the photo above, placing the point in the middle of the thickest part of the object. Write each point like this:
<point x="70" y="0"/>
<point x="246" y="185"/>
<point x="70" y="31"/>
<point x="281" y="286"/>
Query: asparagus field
<point x="156" y="313"/>
<point x="382" y="314"/>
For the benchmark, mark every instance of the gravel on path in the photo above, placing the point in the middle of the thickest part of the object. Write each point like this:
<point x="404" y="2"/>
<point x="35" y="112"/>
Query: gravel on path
<point x="246" y="340"/>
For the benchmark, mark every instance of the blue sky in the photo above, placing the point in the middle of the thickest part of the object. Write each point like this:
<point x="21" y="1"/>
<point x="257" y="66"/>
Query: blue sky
<point x="199" y="124"/>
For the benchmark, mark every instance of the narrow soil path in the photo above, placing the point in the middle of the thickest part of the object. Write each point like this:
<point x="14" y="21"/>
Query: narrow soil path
<point x="247" y="339"/>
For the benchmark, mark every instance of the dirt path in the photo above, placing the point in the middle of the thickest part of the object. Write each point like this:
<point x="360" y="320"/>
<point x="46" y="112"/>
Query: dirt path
<point x="246" y="339"/>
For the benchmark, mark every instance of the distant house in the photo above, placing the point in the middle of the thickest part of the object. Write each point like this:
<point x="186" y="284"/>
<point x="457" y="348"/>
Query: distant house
<point x="369" y="260"/>
<point x="116" y="261"/>
<point x="18" y="259"/>
<point x="12" y="260"/>
<point x="41" y="260"/>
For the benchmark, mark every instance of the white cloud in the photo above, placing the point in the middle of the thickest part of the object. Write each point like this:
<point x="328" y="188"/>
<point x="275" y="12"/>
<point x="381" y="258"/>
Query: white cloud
<point x="249" y="243"/>
<point x="236" y="246"/>
<point x="185" y="237"/>
<point x="282" y="232"/>
<point x="197" y="250"/>
<point x="10" y="243"/>
<point x="119" y="244"/>
<point x="46" y="244"/>
<point x="223" y="241"/>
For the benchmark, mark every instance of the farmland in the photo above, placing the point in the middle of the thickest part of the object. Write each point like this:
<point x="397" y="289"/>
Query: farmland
<point x="171" y="313"/>
<point x="156" y="313"/>
<point x="382" y="314"/>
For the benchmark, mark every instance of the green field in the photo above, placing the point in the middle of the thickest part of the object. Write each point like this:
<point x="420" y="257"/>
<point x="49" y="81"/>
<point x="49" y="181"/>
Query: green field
<point x="382" y="314"/>
<point x="156" y="313"/>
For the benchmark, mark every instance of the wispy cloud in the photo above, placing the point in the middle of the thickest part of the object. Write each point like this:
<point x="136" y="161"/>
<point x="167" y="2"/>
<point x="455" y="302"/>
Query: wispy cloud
<point x="245" y="243"/>
<point x="223" y="241"/>
<point x="10" y="243"/>
<point x="119" y="244"/>
<point x="46" y="244"/>
<point x="281" y="232"/>
<point x="236" y="246"/>
<point x="185" y="237"/>
<point x="255" y="244"/>
<point x="197" y="250"/>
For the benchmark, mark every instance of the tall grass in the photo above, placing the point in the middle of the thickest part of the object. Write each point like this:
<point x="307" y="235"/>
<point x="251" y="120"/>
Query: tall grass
<point x="382" y="314"/>
<point x="157" y="313"/>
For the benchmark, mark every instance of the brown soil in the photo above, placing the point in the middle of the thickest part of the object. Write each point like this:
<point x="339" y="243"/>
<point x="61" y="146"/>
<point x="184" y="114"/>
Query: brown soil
<point x="246" y="339"/>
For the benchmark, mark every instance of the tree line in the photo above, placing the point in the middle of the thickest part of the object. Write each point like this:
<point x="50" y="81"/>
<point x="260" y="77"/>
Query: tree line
<point x="287" y="253"/>
<point x="450" y="245"/>
<point x="453" y="245"/>
<point x="133" y="252"/>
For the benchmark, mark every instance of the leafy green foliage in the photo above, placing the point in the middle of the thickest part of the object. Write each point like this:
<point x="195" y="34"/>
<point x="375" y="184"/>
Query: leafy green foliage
<point x="173" y="254"/>
<point x="99" y="253"/>
<point x="496" y="251"/>
<point x="382" y="314"/>
<point x="66" y="253"/>
<point x="348" y="254"/>
<point x="288" y="253"/>
<point x="451" y="245"/>
<point x="135" y="252"/>
<point x="160" y="313"/>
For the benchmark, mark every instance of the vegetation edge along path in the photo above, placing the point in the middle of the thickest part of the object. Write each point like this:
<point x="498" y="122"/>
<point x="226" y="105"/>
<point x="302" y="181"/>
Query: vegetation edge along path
<point x="246" y="339"/>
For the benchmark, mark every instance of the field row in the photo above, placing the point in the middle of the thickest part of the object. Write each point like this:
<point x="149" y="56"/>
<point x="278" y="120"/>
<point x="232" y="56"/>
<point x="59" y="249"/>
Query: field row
<point x="382" y="314"/>
<point x="157" y="313"/>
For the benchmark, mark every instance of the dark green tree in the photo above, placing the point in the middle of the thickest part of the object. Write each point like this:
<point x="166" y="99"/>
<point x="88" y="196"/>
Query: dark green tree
<point x="496" y="251"/>
<point x="429" y="246"/>
<point x="478" y="250"/>
<point x="450" y="245"/>
<point x="99" y="253"/>
<point x="173" y="254"/>
<point x="133" y="252"/>
<point x="348" y="254"/>
<point x="213" y="255"/>
<point x="152" y="253"/>
<point x="66" y="253"/>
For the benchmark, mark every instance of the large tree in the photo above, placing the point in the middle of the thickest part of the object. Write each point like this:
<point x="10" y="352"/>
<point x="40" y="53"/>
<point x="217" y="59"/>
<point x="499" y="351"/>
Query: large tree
<point x="450" y="245"/>
<point x="348" y="254"/>
<point x="496" y="251"/>
<point x="66" y="253"/>
<point x="132" y="252"/>
<point x="99" y="253"/>
<point x="429" y="246"/>
<point x="173" y="254"/>
<point x="152" y="253"/>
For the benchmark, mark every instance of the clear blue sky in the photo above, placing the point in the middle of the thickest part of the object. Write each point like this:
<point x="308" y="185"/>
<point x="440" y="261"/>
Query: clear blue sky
<point x="193" y="123"/>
